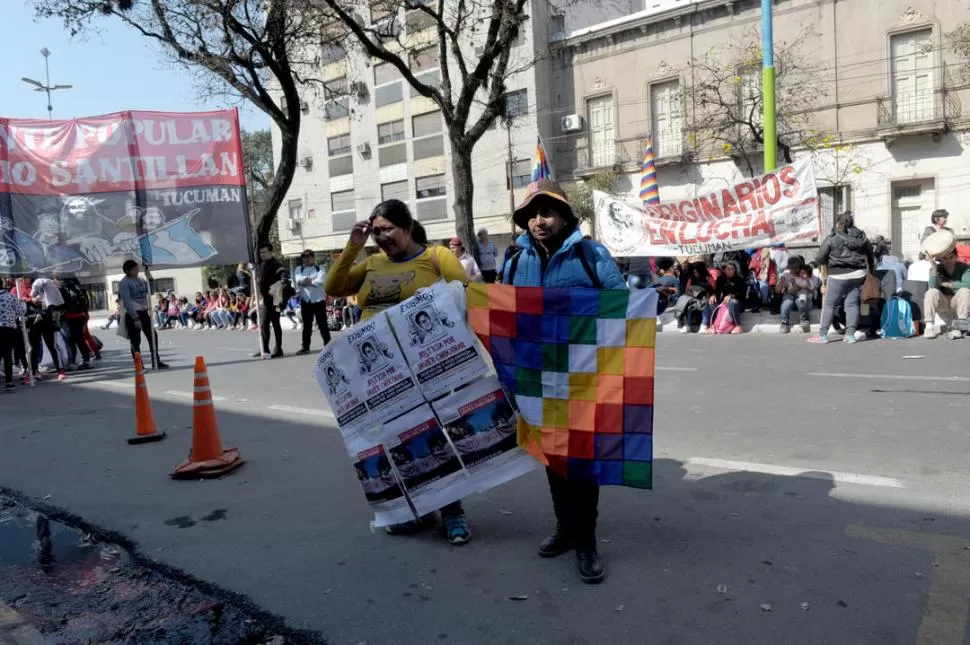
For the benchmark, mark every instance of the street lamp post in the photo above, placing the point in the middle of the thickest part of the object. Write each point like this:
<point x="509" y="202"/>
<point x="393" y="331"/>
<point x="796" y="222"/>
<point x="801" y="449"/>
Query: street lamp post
<point x="46" y="87"/>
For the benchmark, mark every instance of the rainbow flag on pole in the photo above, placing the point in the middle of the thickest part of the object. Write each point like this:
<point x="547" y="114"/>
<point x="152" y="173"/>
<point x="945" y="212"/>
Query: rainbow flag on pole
<point x="540" y="165"/>
<point x="649" y="192"/>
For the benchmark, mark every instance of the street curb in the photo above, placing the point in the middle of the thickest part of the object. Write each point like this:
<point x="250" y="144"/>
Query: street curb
<point x="15" y="630"/>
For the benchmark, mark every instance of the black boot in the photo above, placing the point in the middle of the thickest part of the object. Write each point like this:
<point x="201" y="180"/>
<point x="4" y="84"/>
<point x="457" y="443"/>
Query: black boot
<point x="590" y="570"/>
<point x="556" y="544"/>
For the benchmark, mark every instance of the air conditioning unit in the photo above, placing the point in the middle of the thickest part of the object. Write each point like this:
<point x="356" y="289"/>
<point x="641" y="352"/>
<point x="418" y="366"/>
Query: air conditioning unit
<point x="306" y="162"/>
<point x="479" y="51"/>
<point x="571" y="123"/>
<point x="363" y="149"/>
<point x="293" y="225"/>
<point x="304" y="107"/>
<point x="358" y="89"/>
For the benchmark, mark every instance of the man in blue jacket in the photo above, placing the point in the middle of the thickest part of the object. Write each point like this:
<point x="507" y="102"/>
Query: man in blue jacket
<point x="553" y="253"/>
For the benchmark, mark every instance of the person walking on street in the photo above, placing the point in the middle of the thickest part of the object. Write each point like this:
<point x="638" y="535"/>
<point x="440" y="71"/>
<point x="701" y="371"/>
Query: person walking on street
<point x="848" y="255"/>
<point x="12" y="309"/>
<point x="274" y="291"/>
<point x="46" y="294"/>
<point x="76" y="317"/>
<point x="554" y="254"/>
<point x="385" y="279"/>
<point x="467" y="260"/>
<point x="488" y="254"/>
<point x="136" y="304"/>
<point x="309" y="280"/>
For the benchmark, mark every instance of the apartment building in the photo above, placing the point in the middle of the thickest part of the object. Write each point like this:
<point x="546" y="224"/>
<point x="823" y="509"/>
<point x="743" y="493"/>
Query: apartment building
<point x="383" y="140"/>
<point x="879" y="103"/>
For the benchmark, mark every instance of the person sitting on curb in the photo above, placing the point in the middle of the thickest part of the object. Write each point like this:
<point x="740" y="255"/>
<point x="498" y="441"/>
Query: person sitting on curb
<point x="949" y="291"/>
<point x="699" y="289"/>
<point x="796" y="291"/>
<point x="729" y="290"/>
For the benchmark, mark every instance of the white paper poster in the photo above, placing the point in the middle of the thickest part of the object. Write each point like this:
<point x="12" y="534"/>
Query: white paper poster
<point x="425" y="460"/>
<point x="377" y="477"/>
<point x="384" y="378"/>
<point x="341" y="387"/>
<point x="436" y="341"/>
<point x="482" y="427"/>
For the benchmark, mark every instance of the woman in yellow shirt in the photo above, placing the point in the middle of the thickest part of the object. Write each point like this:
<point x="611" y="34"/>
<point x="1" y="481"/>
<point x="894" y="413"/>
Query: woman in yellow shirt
<point x="383" y="280"/>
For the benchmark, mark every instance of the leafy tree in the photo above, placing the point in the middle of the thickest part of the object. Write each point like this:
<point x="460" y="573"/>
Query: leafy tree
<point x="473" y="42"/>
<point x="959" y="41"/>
<point x="257" y="51"/>
<point x="580" y="193"/>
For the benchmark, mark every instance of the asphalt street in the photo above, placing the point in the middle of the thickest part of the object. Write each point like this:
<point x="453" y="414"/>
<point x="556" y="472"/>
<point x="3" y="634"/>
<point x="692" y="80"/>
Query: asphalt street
<point x="803" y="495"/>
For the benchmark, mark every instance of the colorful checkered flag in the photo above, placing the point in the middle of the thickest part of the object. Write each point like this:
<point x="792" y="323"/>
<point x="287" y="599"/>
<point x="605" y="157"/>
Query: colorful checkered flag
<point x="540" y="165"/>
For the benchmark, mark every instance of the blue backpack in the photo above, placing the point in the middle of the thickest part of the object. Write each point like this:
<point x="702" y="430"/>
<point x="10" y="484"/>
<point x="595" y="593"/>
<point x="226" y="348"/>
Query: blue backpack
<point x="897" y="319"/>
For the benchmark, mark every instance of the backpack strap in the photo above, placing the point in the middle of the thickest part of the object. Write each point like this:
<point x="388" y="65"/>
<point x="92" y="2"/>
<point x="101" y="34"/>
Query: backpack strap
<point x="513" y="265"/>
<point x="588" y="259"/>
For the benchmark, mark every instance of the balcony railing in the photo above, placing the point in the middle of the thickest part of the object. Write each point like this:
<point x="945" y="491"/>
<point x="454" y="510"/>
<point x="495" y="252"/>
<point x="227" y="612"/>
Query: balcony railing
<point x="928" y="111"/>
<point x="623" y="154"/>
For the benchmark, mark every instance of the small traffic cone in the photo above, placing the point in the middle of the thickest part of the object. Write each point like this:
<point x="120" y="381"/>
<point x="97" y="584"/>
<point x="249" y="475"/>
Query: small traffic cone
<point x="145" y="429"/>
<point x="207" y="459"/>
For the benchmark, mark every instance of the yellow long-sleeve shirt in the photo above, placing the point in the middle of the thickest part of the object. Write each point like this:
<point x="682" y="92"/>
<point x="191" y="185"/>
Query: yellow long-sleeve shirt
<point x="379" y="282"/>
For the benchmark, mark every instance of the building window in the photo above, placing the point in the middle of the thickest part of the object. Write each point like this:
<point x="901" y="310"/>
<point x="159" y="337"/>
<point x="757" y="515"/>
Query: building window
<point x="295" y="208"/>
<point x="390" y="132"/>
<point x="395" y="190"/>
<point x="432" y="209"/>
<point x="666" y="119"/>
<point x="385" y="73"/>
<point x="521" y="173"/>
<point x="379" y="11"/>
<point x="749" y="95"/>
<point x="338" y="145"/>
<point x="429" y="147"/>
<point x="387" y="94"/>
<point x="339" y="166"/>
<point x="516" y="103"/>
<point x="342" y="201"/>
<point x="424" y="59"/>
<point x="343" y="222"/>
<point x="331" y="53"/>
<point x="336" y="88"/>
<point x="418" y="20"/>
<point x="599" y="116"/>
<point x="392" y="154"/>
<point x="337" y="108"/>
<point x="426" y="124"/>
<point x="912" y="76"/>
<point x="430" y="186"/>
<point x="431" y="79"/>
<point x="833" y="200"/>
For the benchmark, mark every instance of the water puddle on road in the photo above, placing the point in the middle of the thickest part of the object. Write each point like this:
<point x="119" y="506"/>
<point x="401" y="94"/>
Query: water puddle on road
<point x="76" y="590"/>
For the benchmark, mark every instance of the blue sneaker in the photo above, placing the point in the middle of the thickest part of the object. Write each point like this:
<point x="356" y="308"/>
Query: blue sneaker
<point x="819" y="340"/>
<point x="457" y="530"/>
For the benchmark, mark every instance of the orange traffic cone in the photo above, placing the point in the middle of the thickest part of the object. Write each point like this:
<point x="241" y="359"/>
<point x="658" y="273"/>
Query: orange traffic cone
<point x="207" y="458"/>
<point x="145" y="429"/>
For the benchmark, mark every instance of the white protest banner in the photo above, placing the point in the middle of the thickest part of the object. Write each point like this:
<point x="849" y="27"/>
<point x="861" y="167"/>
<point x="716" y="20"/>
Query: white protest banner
<point x="382" y="489"/>
<point x="780" y="206"/>
<point x="436" y="342"/>
<point x="482" y="426"/>
<point x="342" y="388"/>
<point x="425" y="460"/>
<point x="382" y="376"/>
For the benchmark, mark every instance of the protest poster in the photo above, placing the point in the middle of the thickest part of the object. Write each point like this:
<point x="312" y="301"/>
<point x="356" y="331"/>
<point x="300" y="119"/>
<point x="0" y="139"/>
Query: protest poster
<point x="381" y="376"/>
<point x="780" y="206"/>
<point x="84" y="195"/>
<point x="377" y="477"/>
<point x="341" y="388"/>
<point x="481" y="424"/>
<point x="426" y="461"/>
<point x="436" y="341"/>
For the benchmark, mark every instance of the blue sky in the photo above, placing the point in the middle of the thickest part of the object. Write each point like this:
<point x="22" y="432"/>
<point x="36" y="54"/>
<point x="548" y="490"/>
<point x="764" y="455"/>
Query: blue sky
<point x="113" y="70"/>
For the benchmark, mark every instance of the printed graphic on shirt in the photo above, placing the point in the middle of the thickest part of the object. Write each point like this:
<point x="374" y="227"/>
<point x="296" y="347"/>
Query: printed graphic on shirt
<point x="386" y="289"/>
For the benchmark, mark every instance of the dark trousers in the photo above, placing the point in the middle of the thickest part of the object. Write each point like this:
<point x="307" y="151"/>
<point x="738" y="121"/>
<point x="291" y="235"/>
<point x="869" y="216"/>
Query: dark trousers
<point x="44" y="329"/>
<point x="838" y="292"/>
<point x="270" y="316"/>
<point x="791" y="301"/>
<point x="134" y="336"/>
<point x="488" y="275"/>
<point x="575" y="502"/>
<point x="8" y="340"/>
<point x="20" y="350"/>
<point x="76" y="341"/>
<point x="310" y="311"/>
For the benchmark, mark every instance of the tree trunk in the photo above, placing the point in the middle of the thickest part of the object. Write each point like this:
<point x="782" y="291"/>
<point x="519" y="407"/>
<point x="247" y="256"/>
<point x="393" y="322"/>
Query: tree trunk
<point x="281" y="183"/>
<point x="461" y="170"/>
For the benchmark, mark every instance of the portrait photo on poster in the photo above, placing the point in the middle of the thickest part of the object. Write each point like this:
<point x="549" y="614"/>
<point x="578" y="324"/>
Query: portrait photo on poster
<point x="426" y="325"/>
<point x="372" y="354"/>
